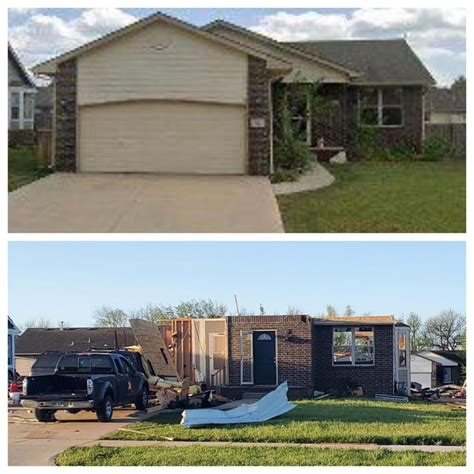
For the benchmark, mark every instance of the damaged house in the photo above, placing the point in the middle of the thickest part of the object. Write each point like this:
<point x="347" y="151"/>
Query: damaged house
<point x="247" y="356"/>
<point x="252" y="354"/>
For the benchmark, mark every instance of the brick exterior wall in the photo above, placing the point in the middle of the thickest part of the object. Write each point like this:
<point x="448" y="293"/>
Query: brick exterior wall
<point x="373" y="379"/>
<point x="294" y="357"/>
<point x="411" y="133"/>
<point x="65" y="119"/>
<point x="258" y="108"/>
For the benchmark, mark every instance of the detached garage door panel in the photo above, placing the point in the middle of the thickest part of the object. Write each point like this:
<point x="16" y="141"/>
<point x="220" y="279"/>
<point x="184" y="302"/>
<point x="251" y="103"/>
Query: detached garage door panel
<point x="162" y="137"/>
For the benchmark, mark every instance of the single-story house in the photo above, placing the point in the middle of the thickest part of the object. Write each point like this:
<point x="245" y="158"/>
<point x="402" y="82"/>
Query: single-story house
<point x="445" y="105"/>
<point x="35" y="341"/>
<point x="253" y="354"/>
<point x="434" y="368"/>
<point x="21" y="94"/>
<point x="162" y="95"/>
<point x="13" y="331"/>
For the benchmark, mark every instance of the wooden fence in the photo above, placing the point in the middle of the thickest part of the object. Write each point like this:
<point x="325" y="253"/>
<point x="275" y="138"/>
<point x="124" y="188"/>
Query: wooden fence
<point x="44" y="147"/>
<point x="454" y="133"/>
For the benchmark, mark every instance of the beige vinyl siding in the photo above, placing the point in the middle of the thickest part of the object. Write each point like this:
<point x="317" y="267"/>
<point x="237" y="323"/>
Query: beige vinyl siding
<point x="302" y="68"/>
<point x="163" y="137"/>
<point x="162" y="61"/>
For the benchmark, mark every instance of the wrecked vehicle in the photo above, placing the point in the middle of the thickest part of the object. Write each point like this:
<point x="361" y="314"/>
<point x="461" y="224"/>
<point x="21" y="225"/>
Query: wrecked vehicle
<point x="91" y="381"/>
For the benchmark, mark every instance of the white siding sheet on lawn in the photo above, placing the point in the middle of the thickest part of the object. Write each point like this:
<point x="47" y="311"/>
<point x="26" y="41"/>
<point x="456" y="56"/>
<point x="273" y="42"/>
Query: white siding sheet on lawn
<point x="163" y="137"/>
<point x="162" y="61"/>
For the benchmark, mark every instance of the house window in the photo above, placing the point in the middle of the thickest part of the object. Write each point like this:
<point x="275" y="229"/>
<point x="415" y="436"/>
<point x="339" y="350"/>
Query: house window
<point x="353" y="345"/>
<point x="381" y="107"/>
<point x="15" y="106"/>
<point x="28" y="106"/>
<point x="246" y="357"/>
<point x="402" y="350"/>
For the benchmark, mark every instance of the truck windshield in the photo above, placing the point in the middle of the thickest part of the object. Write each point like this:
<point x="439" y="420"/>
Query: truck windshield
<point x="85" y="363"/>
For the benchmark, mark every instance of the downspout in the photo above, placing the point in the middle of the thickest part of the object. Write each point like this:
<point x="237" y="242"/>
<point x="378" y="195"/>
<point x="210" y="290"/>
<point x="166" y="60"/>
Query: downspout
<point x="270" y="110"/>
<point x="272" y="81"/>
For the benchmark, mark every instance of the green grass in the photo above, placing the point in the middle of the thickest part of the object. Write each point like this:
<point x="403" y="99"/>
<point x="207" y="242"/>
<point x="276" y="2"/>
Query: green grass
<point x="23" y="168"/>
<point x="251" y="456"/>
<point x="383" y="197"/>
<point x="338" y="420"/>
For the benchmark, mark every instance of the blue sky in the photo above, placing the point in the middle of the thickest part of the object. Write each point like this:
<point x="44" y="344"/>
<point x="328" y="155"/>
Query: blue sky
<point x="67" y="281"/>
<point x="438" y="36"/>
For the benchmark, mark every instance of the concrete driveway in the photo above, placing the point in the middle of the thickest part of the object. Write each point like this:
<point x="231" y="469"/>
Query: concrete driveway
<point x="31" y="443"/>
<point x="82" y="202"/>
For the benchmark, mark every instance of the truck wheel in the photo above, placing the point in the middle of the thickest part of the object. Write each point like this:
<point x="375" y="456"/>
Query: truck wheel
<point x="74" y="411"/>
<point x="45" y="416"/>
<point x="104" y="413"/>
<point x="141" y="402"/>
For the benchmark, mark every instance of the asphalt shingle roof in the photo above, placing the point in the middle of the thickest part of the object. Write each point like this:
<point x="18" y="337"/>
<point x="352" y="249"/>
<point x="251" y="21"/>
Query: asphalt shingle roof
<point x="39" y="340"/>
<point x="379" y="61"/>
<point x="446" y="100"/>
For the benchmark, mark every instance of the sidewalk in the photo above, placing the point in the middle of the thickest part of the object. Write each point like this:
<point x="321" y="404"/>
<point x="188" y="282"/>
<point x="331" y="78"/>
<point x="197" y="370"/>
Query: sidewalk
<point x="365" y="446"/>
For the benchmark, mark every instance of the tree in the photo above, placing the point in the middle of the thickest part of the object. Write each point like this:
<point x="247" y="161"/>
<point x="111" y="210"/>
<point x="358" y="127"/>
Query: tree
<point x="459" y="83"/>
<point x="201" y="309"/>
<point x="416" y="335"/>
<point x="444" y="331"/>
<point x="105" y="316"/>
<point x="38" y="323"/>
<point x="186" y="309"/>
<point x="349" y="311"/>
<point x="331" y="311"/>
<point x="293" y="311"/>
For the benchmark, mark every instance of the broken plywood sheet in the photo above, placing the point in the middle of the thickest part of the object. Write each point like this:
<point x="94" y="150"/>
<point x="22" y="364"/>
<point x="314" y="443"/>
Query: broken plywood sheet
<point x="149" y="336"/>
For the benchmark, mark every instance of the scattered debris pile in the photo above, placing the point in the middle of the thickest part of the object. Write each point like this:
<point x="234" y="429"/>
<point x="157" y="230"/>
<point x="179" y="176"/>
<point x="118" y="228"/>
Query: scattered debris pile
<point x="443" y="393"/>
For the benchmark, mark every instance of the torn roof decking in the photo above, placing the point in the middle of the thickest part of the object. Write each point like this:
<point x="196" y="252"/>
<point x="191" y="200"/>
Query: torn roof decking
<point x="154" y="349"/>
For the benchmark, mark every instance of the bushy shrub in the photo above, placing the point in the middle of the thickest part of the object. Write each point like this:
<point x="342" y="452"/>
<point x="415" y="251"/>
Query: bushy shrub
<point x="344" y="387"/>
<point x="436" y="148"/>
<point x="368" y="145"/>
<point x="281" y="176"/>
<point x="291" y="153"/>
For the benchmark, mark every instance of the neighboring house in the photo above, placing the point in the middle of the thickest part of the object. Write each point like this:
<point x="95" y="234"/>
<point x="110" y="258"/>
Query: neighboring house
<point x="435" y="368"/>
<point x="13" y="331"/>
<point x="21" y="94"/>
<point x="162" y="95"/>
<point x="35" y="341"/>
<point x="44" y="107"/>
<point x="256" y="353"/>
<point x="445" y="106"/>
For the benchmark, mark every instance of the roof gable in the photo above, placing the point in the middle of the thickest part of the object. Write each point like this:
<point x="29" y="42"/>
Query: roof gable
<point x="217" y="25"/>
<point x="49" y="66"/>
<point x="379" y="61"/>
<point x="15" y="62"/>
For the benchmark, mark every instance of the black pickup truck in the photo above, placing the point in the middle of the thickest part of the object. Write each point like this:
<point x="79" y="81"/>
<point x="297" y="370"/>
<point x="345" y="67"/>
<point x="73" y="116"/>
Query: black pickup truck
<point x="91" y="381"/>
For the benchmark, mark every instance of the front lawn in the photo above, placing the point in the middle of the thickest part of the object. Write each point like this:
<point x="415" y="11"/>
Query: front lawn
<point x="383" y="197"/>
<point x="23" y="167"/>
<point x="338" y="420"/>
<point x="251" y="456"/>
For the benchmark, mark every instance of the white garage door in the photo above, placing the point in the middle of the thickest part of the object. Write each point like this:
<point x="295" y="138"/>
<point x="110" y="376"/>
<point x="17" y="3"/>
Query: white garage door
<point x="162" y="137"/>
